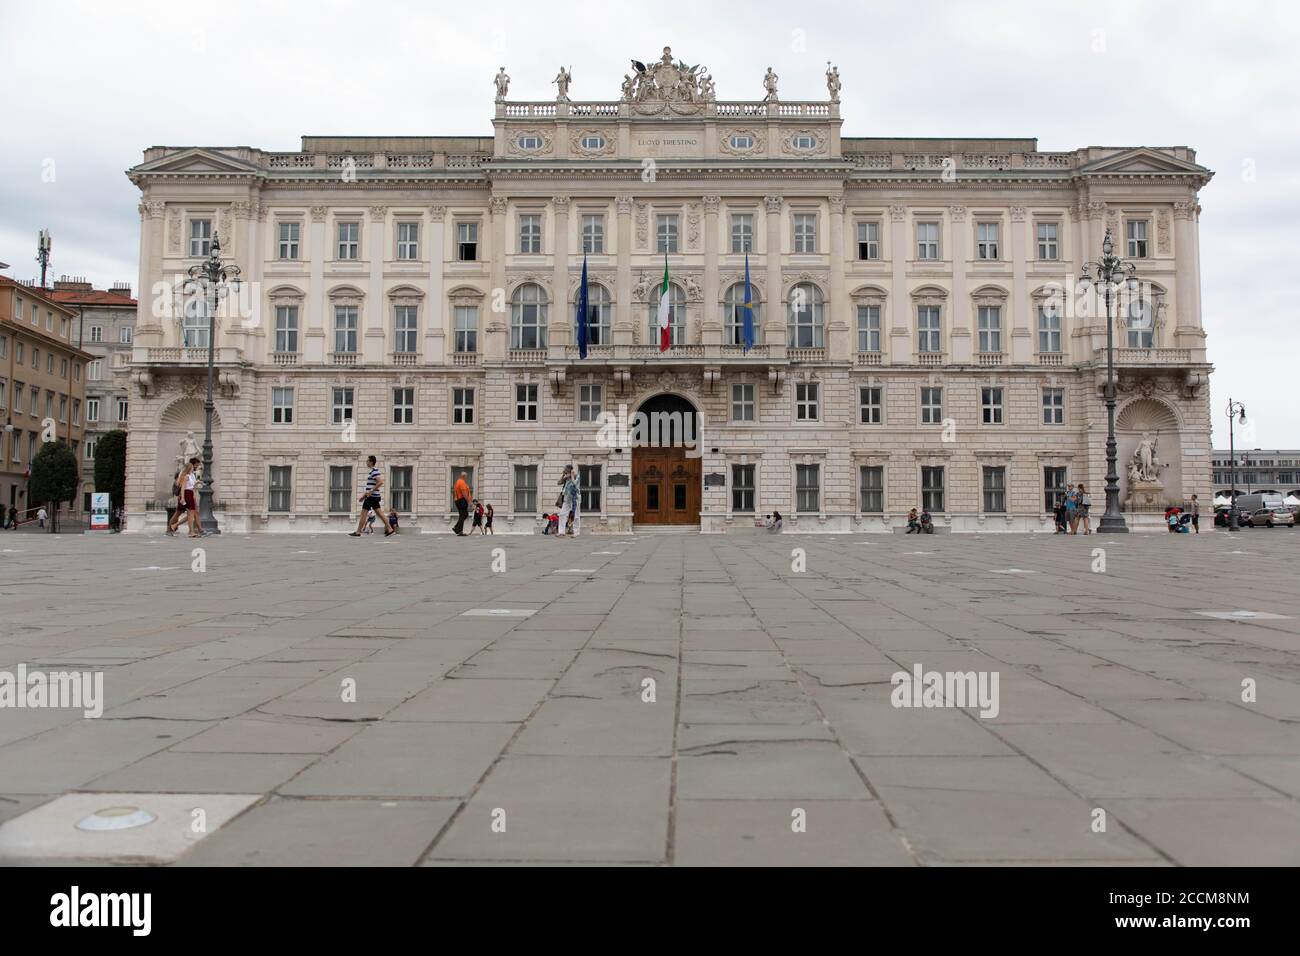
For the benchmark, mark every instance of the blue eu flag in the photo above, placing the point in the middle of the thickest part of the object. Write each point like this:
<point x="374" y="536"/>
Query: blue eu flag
<point x="748" y="308"/>
<point x="583" y="312"/>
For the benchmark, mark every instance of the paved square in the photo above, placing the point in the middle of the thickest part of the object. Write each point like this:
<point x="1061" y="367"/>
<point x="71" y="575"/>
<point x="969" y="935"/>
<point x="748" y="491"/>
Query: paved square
<point x="672" y="698"/>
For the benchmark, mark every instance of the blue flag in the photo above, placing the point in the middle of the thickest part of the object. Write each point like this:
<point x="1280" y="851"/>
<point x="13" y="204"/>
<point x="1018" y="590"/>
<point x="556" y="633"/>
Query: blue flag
<point x="748" y="309"/>
<point x="583" y="312"/>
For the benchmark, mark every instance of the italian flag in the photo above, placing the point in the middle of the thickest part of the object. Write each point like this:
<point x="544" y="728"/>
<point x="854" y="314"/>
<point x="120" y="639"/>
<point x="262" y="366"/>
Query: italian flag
<point x="665" y="305"/>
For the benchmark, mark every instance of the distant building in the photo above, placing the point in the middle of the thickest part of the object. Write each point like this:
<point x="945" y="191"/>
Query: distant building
<point x="106" y="320"/>
<point x="1258" y="469"/>
<point x="42" y="383"/>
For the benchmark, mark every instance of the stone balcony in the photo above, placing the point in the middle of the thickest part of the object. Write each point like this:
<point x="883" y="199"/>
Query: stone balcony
<point x="623" y="109"/>
<point x="1148" y="357"/>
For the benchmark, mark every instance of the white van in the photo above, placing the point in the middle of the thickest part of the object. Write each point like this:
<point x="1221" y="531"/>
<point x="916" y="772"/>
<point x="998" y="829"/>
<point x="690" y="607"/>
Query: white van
<point x="1266" y="510"/>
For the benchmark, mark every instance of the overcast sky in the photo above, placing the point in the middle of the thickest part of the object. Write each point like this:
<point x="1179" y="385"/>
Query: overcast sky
<point x="89" y="85"/>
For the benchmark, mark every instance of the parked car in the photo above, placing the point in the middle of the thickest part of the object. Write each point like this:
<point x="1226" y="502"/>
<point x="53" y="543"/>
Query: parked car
<point x="1266" y="509"/>
<point x="1221" y="517"/>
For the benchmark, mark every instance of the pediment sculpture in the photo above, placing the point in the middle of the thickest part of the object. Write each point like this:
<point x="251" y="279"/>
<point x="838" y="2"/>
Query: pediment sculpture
<point x="666" y="84"/>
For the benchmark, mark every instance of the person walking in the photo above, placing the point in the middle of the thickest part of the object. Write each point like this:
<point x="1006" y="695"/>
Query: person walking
<point x="460" y="493"/>
<point x="487" y="528"/>
<point x="1085" y="506"/>
<point x="478" y="517"/>
<point x="1072" y="508"/>
<point x="187" y="480"/>
<point x="371" y="499"/>
<point x="569" y="503"/>
<point x="13" y="518"/>
<point x="1196" y="515"/>
<point x="41" y="516"/>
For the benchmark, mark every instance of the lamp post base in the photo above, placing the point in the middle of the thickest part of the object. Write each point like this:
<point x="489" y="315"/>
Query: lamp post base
<point x="1112" y="524"/>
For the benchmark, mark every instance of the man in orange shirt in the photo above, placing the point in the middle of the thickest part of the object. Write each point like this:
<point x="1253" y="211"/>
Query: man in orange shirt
<point x="461" y="493"/>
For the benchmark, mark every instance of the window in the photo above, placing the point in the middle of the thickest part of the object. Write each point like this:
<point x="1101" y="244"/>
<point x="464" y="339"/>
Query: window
<point x="593" y="141"/>
<point x="286" y="329"/>
<point x="806" y="400"/>
<point x="35" y="408"/>
<point x="530" y="234"/>
<point x="1137" y="238"/>
<point x="406" y="329"/>
<point x="804" y="141"/>
<point x="340" y="488"/>
<point x="96" y="333"/>
<point x="399" y="488"/>
<point x="676" y="315"/>
<point x="49" y="406"/>
<point x="986" y="245"/>
<point x="742" y="141"/>
<point x="991" y="405"/>
<point x="1049" y="247"/>
<point x="36" y="358"/>
<point x="18" y="352"/>
<point x="995" y="489"/>
<point x="666" y="233"/>
<point x="927" y="240"/>
<point x="123" y="410"/>
<point x="404" y="406"/>
<point x="282" y="406"/>
<point x="868" y="240"/>
<point x="932" y="405"/>
<point x="1053" y="487"/>
<point x="194" y="323"/>
<point x="1053" y="406"/>
<point x="1049" y="329"/>
<point x="466" y="318"/>
<point x="742" y="488"/>
<point x="408" y="241"/>
<point x="467" y="241"/>
<point x="526" y="403"/>
<point x="805" y="232"/>
<point x="593" y="234"/>
<point x="124" y="335"/>
<point x="4" y="346"/>
<point x="807" y="488"/>
<point x="525" y="489"/>
<point x="529" y="141"/>
<point x="868" y="328"/>
<point x="49" y="363"/>
<point x="290" y="233"/>
<point x="733" y="314"/>
<point x="342" y="405"/>
<point x="278" y="488"/>
<point x="871" y="489"/>
<point x="76" y="411"/>
<point x="200" y="237"/>
<point x="18" y="396"/>
<point x="528" y="318"/>
<point x="349" y="246"/>
<point x="742" y="402"/>
<point x="932" y="487"/>
<point x="1141" y="323"/>
<point x="805" y="324"/>
<point x="345" y="328"/>
<point x="90" y="448"/>
<point x="600" y="310"/>
<point x="462" y="406"/>
<point x="927" y="329"/>
<point x="869" y="406"/>
<point x="990" y="328"/>
<point x="589" y="488"/>
<point x="76" y="372"/>
<point x="742" y="232"/>
<point x="590" y="398"/>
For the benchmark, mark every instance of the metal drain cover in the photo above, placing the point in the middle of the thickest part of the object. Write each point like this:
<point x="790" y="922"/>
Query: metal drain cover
<point x="116" y="818"/>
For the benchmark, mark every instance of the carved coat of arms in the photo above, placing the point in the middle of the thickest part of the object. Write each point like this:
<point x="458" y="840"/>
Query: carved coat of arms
<point x="667" y="84"/>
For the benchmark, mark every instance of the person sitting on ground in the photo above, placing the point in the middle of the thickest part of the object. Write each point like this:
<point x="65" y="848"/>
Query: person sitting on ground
<point x="913" y="522"/>
<point x="774" y="522"/>
<point x="927" y="523"/>
<point x="546" y="523"/>
<point x="392" y="520"/>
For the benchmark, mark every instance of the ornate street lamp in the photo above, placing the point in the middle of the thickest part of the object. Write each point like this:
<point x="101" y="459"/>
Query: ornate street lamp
<point x="1236" y="413"/>
<point x="210" y="281"/>
<point x="1111" y="272"/>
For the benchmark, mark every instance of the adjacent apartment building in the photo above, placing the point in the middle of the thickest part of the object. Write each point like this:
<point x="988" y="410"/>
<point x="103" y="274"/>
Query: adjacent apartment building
<point x="920" y="336"/>
<point x="42" y="384"/>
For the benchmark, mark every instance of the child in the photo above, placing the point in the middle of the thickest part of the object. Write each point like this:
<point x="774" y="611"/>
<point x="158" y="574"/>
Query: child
<point x="913" y="523"/>
<point x="555" y="523"/>
<point x="487" y="529"/>
<point x="392" y="521"/>
<point x="370" y="522"/>
<point x="478" y="517"/>
<point x="546" y="523"/>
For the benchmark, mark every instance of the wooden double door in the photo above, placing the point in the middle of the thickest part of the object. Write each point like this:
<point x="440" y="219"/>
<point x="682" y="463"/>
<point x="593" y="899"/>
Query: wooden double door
<point x="665" y="486"/>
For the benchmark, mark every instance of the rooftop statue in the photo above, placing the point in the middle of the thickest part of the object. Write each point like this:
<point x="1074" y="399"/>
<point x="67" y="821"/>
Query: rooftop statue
<point x="666" y="81"/>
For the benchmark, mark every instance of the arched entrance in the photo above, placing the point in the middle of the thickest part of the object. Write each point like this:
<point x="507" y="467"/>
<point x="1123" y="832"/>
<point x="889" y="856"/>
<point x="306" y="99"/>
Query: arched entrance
<point x="665" y="462"/>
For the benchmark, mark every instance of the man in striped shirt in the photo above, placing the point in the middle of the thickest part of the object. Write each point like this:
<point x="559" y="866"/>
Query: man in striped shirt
<point x="370" y="499"/>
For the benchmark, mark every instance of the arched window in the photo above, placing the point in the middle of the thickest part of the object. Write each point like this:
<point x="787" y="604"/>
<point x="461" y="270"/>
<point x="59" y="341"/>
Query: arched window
<point x="806" y="322"/>
<point x="733" y="314"/>
<point x="528" y="317"/>
<point x="676" y="315"/>
<point x="601" y="307"/>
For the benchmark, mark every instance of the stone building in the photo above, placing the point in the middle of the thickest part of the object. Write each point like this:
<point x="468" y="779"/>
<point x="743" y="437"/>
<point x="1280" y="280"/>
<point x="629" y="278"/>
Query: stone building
<point x="104" y="328"/>
<point x="919" y="335"/>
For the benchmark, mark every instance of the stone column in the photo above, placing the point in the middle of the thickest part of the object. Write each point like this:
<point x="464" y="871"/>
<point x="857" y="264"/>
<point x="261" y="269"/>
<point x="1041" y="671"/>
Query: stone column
<point x="314" y="318"/>
<point x="1018" y="321"/>
<point x="711" y="329"/>
<point x="1187" y="318"/>
<point x="436" y="313"/>
<point x="774" y="333"/>
<point x="560" y="319"/>
<point x="623" y="321"/>
<point x="838" y="344"/>
<point x="496" y="325"/>
<point x="901" y="343"/>
<point x="961" y="333"/>
<point x="149" y="328"/>
<point x="375" y="346"/>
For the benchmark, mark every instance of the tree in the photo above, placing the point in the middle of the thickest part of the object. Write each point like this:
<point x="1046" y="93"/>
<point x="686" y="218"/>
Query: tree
<point x="54" y="477"/>
<point x="110" y="467"/>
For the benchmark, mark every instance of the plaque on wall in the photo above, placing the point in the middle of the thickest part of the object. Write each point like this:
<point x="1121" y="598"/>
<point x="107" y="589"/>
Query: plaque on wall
<point x="617" y="481"/>
<point x="715" y="480"/>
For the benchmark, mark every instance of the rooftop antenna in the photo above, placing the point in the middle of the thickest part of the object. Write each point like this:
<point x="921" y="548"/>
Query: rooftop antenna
<point x="43" y="245"/>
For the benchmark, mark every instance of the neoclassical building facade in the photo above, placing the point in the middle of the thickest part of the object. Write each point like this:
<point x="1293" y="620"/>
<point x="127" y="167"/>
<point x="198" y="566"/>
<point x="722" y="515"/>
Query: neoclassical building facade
<point x="920" y="338"/>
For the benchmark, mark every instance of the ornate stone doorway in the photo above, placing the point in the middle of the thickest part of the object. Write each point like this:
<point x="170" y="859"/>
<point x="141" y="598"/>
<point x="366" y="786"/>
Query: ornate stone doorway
<point x="665" y="479"/>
